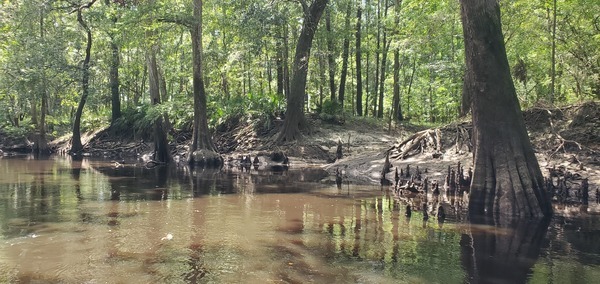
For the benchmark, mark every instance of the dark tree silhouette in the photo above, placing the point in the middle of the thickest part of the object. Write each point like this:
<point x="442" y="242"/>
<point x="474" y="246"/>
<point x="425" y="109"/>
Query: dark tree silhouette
<point x="507" y="179"/>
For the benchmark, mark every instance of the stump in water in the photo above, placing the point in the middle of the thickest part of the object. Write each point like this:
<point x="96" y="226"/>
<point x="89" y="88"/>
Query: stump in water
<point x="338" y="178"/>
<point x="277" y="156"/>
<point x="584" y="191"/>
<point x="387" y="165"/>
<point x="206" y="158"/>
<point x="338" y="152"/>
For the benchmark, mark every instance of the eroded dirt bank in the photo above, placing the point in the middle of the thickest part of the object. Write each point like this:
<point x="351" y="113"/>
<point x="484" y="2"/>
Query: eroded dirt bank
<point x="567" y="138"/>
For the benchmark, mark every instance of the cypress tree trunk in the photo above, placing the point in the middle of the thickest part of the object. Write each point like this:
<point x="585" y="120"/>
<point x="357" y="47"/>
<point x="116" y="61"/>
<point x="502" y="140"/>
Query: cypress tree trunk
<point x="294" y="119"/>
<point x="507" y="179"/>
<point x="202" y="151"/>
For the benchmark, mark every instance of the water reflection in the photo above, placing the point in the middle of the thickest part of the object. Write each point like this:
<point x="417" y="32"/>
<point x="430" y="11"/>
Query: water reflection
<point x="503" y="251"/>
<point x="77" y="221"/>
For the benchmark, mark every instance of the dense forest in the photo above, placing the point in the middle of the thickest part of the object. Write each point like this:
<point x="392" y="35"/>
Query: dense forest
<point x="68" y="67"/>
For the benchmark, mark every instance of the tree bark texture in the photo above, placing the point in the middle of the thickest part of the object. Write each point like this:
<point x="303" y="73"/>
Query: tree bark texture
<point x="279" y="67"/>
<point x="294" y="118"/>
<point x="161" y="146"/>
<point x="345" y="55"/>
<point x="377" y="61"/>
<point x="76" y="146"/>
<point x="465" y="102"/>
<point x="358" y="61"/>
<point x="201" y="141"/>
<point x="396" y="101"/>
<point x="386" y="47"/>
<point x="114" y="80"/>
<point x="330" y="55"/>
<point x="40" y="144"/>
<point x="507" y="180"/>
<point x="397" y="106"/>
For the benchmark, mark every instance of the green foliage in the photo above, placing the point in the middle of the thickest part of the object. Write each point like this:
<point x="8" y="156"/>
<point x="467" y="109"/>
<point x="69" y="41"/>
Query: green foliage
<point x="41" y="50"/>
<point x="331" y="111"/>
<point x="11" y="132"/>
<point x="260" y="109"/>
<point x="135" y="122"/>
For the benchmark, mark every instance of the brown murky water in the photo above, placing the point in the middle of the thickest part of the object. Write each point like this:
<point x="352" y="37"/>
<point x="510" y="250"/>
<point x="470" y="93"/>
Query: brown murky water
<point x="65" y="221"/>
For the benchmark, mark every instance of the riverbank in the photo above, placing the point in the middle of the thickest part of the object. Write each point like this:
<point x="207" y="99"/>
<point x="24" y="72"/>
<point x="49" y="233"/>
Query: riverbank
<point x="567" y="138"/>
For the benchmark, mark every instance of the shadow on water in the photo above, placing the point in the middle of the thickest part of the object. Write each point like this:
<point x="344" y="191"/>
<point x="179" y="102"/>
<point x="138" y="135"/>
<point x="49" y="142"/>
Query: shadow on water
<point x="502" y="252"/>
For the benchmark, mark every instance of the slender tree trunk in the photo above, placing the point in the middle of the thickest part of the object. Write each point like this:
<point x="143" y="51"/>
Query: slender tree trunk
<point x="397" y="105"/>
<point x="114" y="80"/>
<point x="553" y="60"/>
<point x="507" y="180"/>
<point x="279" y="67"/>
<point x="164" y="97"/>
<point x="382" y="74"/>
<point x="345" y="55"/>
<point x="322" y="80"/>
<point x="269" y="72"/>
<point x="377" y="61"/>
<point x="358" y="61"/>
<point x="286" y="56"/>
<point x="386" y="47"/>
<point x="410" y="82"/>
<point x="330" y="54"/>
<point x="161" y="146"/>
<point x="113" y="75"/>
<point x="76" y="146"/>
<point x="294" y="119"/>
<point x="41" y="145"/>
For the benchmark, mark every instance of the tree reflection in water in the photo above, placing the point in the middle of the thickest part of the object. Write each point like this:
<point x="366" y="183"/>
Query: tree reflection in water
<point x="503" y="251"/>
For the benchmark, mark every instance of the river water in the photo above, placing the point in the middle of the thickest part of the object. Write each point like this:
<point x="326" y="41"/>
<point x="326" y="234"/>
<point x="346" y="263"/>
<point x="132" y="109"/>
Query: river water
<point x="68" y="221"/>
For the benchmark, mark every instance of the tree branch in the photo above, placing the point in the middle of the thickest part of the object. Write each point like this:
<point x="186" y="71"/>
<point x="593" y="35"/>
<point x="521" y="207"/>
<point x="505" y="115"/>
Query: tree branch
<point x="78" y="8"/>
<point x="187" y="22"/>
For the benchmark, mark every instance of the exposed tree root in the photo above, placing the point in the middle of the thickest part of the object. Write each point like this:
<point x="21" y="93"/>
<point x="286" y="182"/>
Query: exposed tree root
<point x="432" y="140"/>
